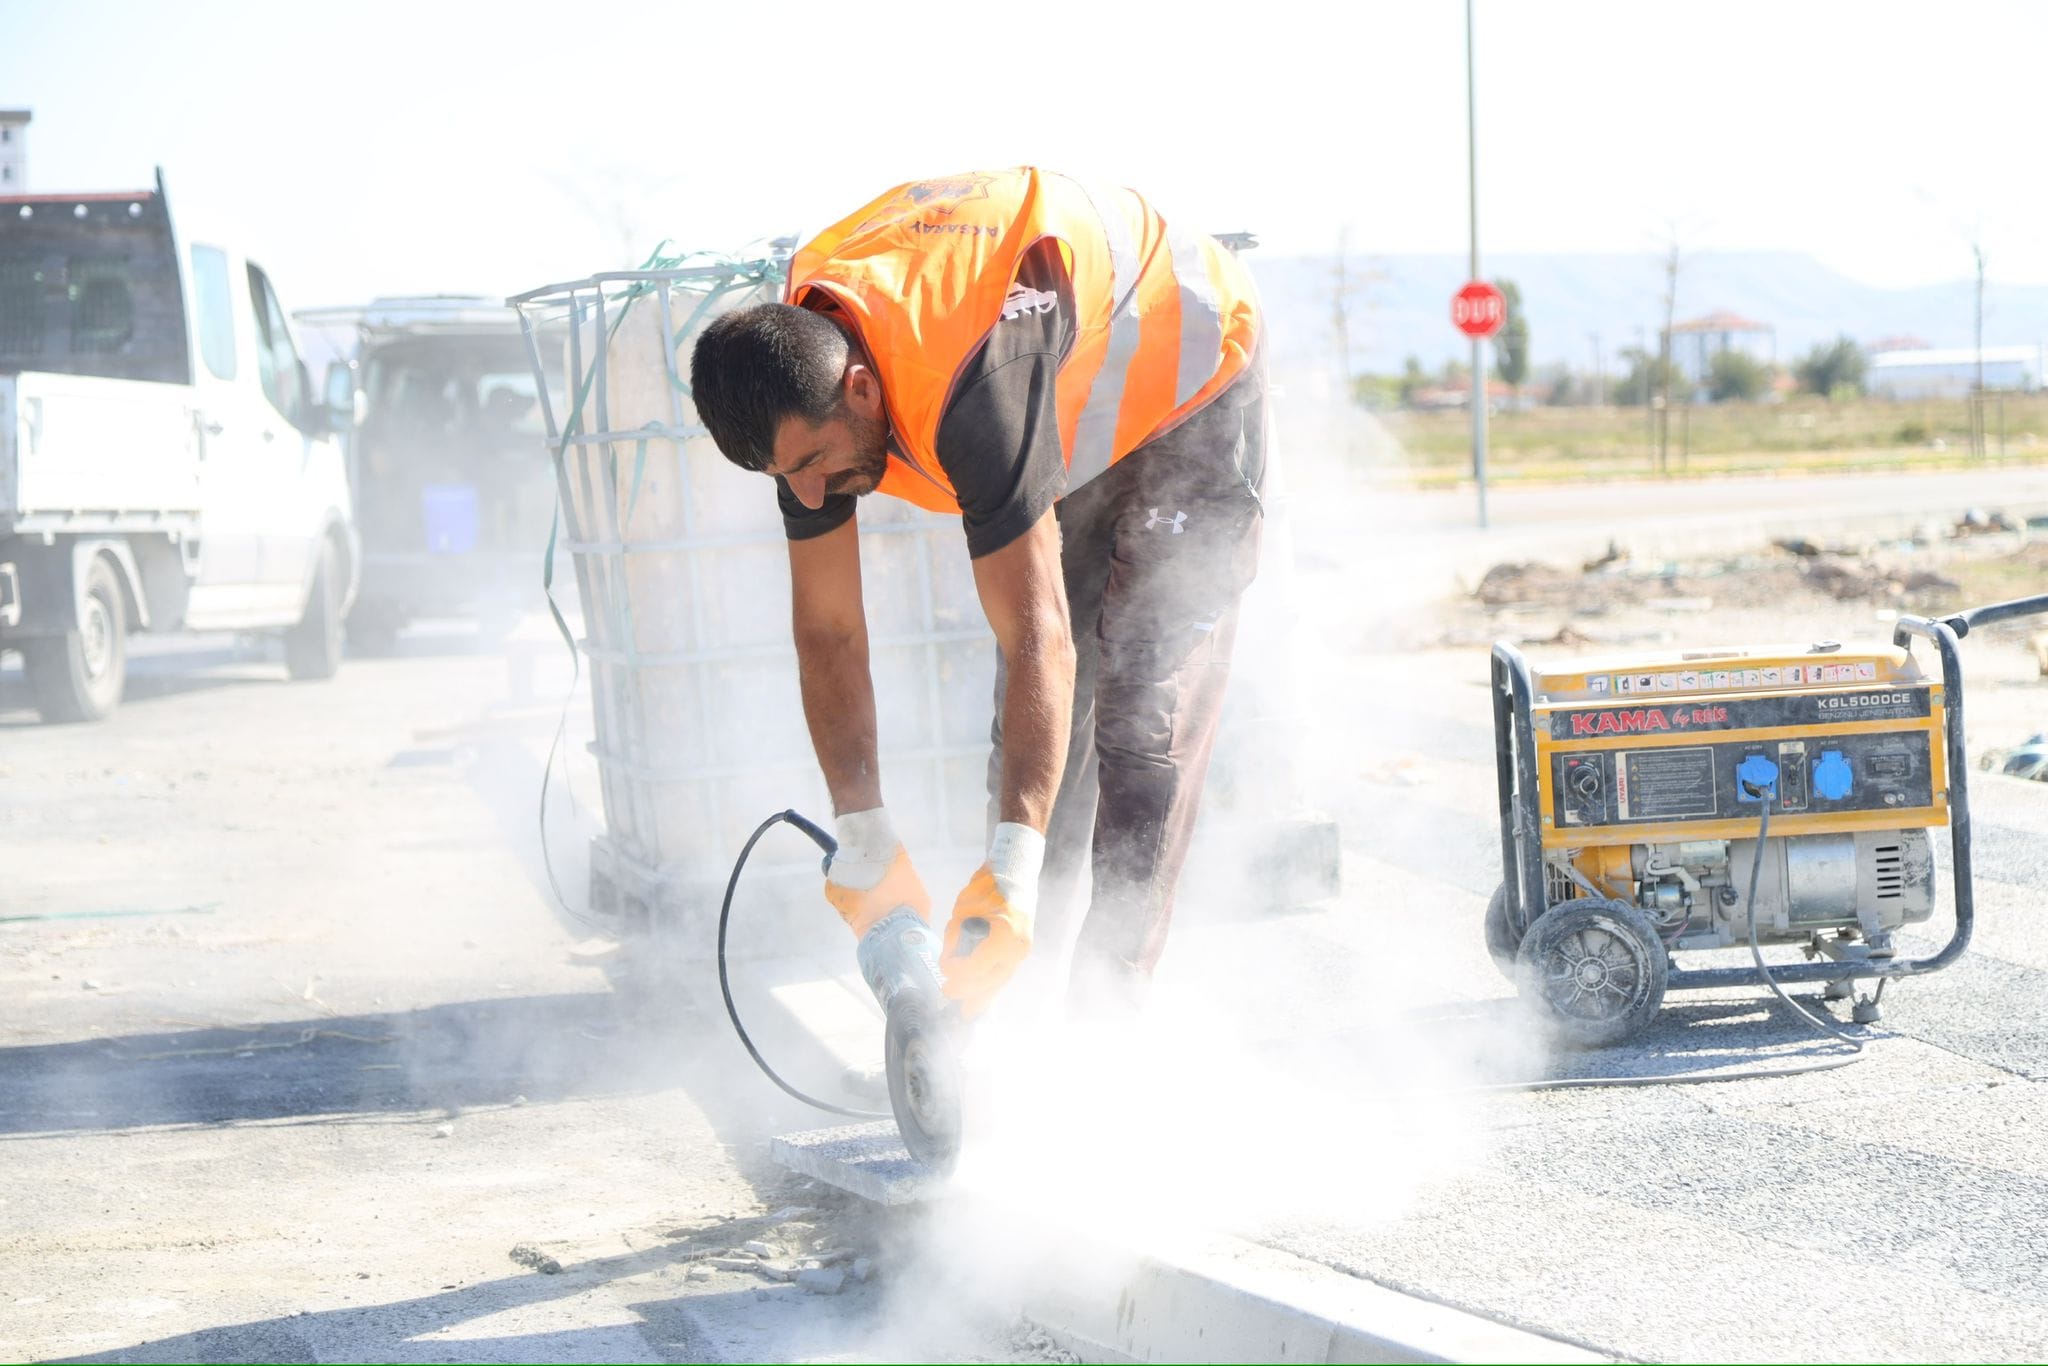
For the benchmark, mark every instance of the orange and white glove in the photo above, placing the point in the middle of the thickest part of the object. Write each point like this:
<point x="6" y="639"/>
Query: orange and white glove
<point x="990" y="933"/>
<point x="870" y="874"/>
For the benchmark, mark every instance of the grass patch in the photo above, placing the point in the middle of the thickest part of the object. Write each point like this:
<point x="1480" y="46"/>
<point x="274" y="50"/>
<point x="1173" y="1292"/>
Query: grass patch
<point x="1806" y="435"/>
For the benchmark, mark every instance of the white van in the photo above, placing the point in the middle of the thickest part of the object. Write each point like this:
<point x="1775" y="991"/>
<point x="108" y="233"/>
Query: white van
<point x="165" y="463"/>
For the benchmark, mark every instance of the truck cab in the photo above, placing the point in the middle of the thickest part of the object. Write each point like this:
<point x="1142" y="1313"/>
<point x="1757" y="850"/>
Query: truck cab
<point x="165" y="462"/>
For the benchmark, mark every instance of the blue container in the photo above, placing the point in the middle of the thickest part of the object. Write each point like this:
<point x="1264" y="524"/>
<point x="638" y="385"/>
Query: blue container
<point x="450" y="514"/>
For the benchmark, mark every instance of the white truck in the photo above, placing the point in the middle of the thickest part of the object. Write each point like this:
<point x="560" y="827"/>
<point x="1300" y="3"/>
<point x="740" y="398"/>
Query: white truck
<point x="165" y="463"/>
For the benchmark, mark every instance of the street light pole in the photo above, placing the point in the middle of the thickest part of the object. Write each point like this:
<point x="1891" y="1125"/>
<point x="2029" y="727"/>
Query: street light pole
<point x="1478" y="346"/>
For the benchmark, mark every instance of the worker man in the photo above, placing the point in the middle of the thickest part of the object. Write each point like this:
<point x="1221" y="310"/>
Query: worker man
<point x="1078" y="378"/>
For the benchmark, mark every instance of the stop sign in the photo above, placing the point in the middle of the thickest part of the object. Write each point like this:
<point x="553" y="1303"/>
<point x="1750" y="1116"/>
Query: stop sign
<point x="1479" y="310"/>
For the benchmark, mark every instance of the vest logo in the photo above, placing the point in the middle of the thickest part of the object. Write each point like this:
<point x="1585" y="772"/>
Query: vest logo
<point x="1155" y="521"/>
<point x="961" y="229"/>
<point x="1023" y="299"/>
<point x="928" y="197"/>
<point x="1641" y="720"/>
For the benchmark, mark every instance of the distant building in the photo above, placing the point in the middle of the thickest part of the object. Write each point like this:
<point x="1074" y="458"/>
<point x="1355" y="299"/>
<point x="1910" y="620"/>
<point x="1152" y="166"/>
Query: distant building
<point x="1695" y="343"/>
<point x="14" y="151"/>
<point x="1952" y="372"/>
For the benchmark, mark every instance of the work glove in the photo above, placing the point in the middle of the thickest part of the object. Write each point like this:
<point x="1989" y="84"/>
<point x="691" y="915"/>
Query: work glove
<point x="870" y="874"/>
<point x="990" y="933"/>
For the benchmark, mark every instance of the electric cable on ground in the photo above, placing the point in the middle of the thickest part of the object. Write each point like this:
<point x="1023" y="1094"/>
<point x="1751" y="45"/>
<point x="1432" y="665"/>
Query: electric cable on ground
<point x="826" y="843"/>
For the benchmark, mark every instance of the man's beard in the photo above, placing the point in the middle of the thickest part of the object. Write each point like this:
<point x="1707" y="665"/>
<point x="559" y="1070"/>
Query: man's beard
<point x="870" y="461"/>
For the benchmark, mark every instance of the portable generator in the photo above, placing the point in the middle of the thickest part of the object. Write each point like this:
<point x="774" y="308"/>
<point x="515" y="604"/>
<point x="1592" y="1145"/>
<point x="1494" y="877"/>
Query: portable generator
<point x="1714" y="798"/>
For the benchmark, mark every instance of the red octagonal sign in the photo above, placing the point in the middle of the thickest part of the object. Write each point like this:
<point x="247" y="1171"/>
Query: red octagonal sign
<point x="1479" y="310"/>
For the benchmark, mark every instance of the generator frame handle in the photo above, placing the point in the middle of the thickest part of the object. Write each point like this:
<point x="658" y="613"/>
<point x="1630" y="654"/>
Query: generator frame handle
<point x="1521" y="836"/>
<point x="1514" y="751"/>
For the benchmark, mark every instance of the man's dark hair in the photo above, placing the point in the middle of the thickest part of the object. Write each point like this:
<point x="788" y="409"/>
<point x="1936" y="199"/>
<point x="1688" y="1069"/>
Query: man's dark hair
<point x="756" y="366"/>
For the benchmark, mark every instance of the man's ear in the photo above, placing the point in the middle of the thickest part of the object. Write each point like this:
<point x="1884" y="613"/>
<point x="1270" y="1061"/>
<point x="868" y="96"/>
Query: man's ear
<point x="863" y="390"/>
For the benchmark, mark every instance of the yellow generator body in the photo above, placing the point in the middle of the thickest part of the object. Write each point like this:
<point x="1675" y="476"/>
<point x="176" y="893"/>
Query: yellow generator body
<point x="1704" y="799"/>
<point x="1653" y="770"/>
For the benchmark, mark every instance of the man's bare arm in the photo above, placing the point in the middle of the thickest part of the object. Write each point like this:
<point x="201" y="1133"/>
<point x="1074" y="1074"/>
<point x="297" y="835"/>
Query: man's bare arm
<point x="831" y="632"/>
<point x="1025" y="597"/>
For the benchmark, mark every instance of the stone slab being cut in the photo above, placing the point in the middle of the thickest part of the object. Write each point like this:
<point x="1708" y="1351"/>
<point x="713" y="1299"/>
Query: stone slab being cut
<point x="868" y="1160"/>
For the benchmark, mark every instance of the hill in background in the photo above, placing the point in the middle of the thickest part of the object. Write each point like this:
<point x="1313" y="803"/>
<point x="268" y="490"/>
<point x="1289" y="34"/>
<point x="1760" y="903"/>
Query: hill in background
<point x="1400" y="305"/>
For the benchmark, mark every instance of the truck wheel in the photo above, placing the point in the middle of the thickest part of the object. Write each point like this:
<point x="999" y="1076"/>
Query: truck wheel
<point x="1595" y="968"/>
<point x="312" y="649"/>
<point x="79" y="676"/>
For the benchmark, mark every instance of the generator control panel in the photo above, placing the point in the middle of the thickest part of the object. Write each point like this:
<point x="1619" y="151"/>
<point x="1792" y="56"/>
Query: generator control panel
<point x="1856" y="747"/>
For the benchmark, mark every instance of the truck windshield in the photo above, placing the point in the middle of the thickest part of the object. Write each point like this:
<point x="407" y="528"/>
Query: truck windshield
<point x="444" y="395"/>
<point x="89" y="286"/>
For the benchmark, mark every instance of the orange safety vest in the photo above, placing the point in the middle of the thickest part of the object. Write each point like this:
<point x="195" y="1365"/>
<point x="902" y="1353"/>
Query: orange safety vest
<point x="1166" y="317"/>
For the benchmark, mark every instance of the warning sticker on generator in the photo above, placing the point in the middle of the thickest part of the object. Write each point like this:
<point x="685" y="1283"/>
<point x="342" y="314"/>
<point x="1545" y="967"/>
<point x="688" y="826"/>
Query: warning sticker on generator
<point x="1665" y="784"/>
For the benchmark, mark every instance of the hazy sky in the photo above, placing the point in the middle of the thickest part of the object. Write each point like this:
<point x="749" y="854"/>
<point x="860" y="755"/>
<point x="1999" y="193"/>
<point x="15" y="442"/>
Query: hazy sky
<point x="378" y="147"/>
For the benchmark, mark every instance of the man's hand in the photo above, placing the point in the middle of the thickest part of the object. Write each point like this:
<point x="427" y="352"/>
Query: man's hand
<point x="870" y="875"/>
<point x="990" y="933"/>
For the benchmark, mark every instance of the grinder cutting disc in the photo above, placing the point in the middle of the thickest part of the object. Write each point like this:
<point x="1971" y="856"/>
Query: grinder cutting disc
<point x="923" y="1066"/>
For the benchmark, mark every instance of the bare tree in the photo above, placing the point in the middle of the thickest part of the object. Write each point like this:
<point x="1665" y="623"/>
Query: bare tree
<point x="1977" y="254"/>
<point x="618" y="200"/>
<point x="1346" y="287"/>
<point x="1674" y="261"/>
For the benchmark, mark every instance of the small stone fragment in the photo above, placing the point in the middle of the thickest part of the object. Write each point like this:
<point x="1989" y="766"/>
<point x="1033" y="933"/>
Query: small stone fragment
<point x="444" y="1131"/>
<point x="699" y="1272"/>
<point x="527" y="1255"/>
<point x="862" y="1269"/>
<point x="761" y="1249"/>
<point x="824" y="1281"/>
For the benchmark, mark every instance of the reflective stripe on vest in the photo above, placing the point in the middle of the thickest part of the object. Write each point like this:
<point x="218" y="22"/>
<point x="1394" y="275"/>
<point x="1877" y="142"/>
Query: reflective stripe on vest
<point x="1095" y="435"/>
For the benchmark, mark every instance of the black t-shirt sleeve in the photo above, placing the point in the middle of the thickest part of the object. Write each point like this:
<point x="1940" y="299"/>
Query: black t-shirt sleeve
<point x="999" y="437"/>
<point x="800" y="523"/>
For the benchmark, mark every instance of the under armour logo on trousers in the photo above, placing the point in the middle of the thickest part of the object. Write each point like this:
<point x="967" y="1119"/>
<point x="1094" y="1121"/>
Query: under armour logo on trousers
<point x="1175" y="522"/>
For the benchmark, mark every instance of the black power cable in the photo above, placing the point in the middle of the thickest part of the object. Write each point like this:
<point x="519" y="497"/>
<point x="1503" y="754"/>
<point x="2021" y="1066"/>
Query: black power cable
<point x="830" y="846"/>
<point x="1765" y="792"/>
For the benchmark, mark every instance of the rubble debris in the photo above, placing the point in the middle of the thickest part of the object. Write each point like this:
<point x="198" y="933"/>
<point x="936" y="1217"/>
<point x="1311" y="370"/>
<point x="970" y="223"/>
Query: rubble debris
<point x="776" y="1271"/>
<point x="699" y="1272"/>
<point x="527" y="1255"/>
<point x="862" y="1269"/>
<point x="1518" y="582"/>
<point x="824" y="1281"/>
<point x="735" y="1263"/>
<point x="1976" y="521"/>
<point x="444" y="1131"/>
<point x="1798" y="545"/>
<point x="1615" y="555"/>
<point x="789" y="1212"/>
<point x="758" y="1248"/>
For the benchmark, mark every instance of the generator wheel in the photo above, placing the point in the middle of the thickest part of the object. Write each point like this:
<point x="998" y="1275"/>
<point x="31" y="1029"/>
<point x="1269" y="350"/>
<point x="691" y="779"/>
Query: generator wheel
<point x="1595" y="968"/>
<point x="1500" y="936"/>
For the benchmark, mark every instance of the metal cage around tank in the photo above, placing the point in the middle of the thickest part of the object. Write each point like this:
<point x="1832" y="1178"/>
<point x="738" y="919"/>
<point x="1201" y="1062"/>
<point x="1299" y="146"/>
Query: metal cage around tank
<point x="682" y="576"/>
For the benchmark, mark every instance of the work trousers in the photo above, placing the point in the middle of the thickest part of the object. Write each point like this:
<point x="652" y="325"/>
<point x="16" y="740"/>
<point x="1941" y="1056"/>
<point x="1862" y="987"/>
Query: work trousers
<point x="1156" y="553"/>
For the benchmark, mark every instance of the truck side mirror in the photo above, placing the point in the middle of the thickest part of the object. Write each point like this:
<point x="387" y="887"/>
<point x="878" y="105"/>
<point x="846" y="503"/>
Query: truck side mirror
<point x="339" y="393"/>
<point x="342" y="406"/>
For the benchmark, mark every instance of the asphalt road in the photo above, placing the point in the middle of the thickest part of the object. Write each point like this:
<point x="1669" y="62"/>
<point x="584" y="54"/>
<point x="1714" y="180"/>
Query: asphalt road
<point x="294" y="1052"/>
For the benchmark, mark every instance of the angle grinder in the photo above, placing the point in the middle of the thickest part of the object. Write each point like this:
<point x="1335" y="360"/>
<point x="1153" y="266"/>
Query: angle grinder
<point x="899" y="960"/>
